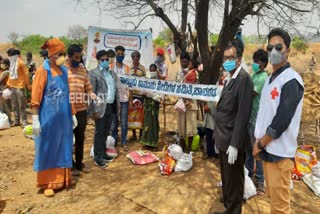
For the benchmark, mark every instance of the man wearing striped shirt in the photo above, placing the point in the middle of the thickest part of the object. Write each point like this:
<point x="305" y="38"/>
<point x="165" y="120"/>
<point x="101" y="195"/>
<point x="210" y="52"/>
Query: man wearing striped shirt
<point x="80" y="90"/>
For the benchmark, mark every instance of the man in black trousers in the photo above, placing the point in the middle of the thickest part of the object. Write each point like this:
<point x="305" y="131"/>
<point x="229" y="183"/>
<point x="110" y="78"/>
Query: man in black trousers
<point x="232" y="117"/>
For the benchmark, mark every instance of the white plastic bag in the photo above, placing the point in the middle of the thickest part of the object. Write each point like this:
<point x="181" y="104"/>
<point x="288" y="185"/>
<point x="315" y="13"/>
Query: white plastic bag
<point x="91" y="152"/>
<point x="316" y="170"/>
<point x="184" y="163"/>
<point x="175" y="151"/>
<point x="110" y="142"/>
<point x="180" y="106"/>
<point x="111" y="150"/>
<point x="249" y="187"/>
<point x="172" y="53"/>
<point x="313" y="183"/>
<point x="4" y="121"/>
<point x="6" y="93"/>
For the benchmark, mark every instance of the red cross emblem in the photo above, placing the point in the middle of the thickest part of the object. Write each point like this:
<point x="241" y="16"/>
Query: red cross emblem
<point x="274" y="93"/>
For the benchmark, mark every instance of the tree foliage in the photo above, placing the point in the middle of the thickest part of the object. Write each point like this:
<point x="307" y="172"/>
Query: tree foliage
<point x="299" y="44"/>
<point x="34" y="42"/>
<point x="31" y="43"/>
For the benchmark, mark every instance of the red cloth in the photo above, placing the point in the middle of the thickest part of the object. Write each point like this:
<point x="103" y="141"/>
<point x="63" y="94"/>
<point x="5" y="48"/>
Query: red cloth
<point x="191" y="76"/>
<point x="160" y="51"/>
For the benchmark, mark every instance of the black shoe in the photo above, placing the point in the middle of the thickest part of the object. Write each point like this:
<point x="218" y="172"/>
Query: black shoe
<point x="101" y="164"/>
<point x="108" y="159"/>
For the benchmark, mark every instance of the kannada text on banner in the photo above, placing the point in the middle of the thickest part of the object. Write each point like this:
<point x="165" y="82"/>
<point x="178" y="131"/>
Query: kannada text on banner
<point x="190" y="91"/>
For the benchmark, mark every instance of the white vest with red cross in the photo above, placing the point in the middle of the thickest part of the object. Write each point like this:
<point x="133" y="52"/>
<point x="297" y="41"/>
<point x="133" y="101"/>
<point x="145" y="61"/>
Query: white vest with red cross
<point x="286" y="144"/>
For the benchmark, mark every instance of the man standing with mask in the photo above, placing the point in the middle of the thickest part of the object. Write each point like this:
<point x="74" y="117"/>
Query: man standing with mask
<point x="232" y="116"/>
<point x="120" y="68"/>
<point x="18" y="81"/>
<point x="104" y="85"/>
<point x="80" y="90"/>
<point x="278" y="121"/>
<point x="259" y="76"/>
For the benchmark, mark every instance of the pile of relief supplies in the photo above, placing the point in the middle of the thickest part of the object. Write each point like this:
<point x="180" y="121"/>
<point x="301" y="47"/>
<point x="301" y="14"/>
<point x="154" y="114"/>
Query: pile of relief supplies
<point x="307" y="168"/>
<point x="175" y="160"/>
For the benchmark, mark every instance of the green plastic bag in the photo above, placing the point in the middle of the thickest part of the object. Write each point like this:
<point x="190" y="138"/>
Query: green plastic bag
<point x="195" y="142"/>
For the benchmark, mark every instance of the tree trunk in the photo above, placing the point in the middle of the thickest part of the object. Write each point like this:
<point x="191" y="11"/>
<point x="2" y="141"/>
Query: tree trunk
<point x="231" y="22"/>
<point x="202" y="12"/>
<point x="184" y="15"/>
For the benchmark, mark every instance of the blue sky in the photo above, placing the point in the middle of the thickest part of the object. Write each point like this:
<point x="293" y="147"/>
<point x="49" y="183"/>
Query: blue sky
<point x="48" y="17"/>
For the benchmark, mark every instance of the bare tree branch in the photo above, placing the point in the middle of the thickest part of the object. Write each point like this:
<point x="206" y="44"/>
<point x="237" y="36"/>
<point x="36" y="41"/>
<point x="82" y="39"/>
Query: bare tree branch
<point x="136" y="26"/>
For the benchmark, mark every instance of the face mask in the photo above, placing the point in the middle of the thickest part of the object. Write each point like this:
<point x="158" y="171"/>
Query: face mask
<point x="229" y="65"/>
<point x="60" y="60"/>
<point x="255" y="67"/>
<point x="75" y="64"/>
<point x="104" y="64"/>
<point x="159" y="59"/>
<point x="111" y="60"/>
<point x="120" y="59"/>
<point x="153" y="74"/>
<point x="3" y="67"/>
<point x="276" y="57"/>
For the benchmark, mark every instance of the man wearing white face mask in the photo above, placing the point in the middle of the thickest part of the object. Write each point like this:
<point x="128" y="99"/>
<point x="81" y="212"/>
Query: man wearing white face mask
<point x="278" y="121"/>
<point x="18" y="81"/>
<point x="232" y="117"/>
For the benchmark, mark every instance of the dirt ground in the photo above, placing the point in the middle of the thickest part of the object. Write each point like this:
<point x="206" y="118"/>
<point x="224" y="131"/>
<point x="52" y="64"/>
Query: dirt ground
<point x="103" y="190"/>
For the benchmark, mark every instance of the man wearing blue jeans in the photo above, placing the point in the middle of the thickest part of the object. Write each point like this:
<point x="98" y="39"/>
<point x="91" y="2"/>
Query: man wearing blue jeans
<point x="259" y="76"/>
<point x="120" y="68"/>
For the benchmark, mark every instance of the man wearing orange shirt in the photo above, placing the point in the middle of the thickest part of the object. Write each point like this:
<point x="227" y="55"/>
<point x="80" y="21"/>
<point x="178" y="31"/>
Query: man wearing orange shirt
<point x="80" y="90"/>
<point x="18" y="81"/>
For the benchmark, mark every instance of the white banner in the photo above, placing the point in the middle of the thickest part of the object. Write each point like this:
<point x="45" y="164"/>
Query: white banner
<point x="191" y="91"/>
<point x="105" y="39"/>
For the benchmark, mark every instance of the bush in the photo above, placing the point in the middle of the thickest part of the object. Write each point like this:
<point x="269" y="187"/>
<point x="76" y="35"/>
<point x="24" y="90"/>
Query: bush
<point x="299" y="44"/>
<point x="159" y="42"/>
<point x="34" y="42"/>
<point x="166" y="35"/>
<point x="31" y="43"/>
<point x="214" y="39"/>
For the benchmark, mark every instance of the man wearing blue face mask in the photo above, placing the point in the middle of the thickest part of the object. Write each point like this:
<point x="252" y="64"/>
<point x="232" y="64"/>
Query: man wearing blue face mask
<point x="104" y="83"/>
<point x="278" y="121"/>
<point x="231" y="136"/>
<point x="259" y="76"/>
<point x="120" y="68"/>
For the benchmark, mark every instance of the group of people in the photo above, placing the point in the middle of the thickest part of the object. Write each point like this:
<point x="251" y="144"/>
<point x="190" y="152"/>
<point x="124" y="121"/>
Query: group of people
<point x="65" y="94"/>
<point x="17" y="76"/>
<point x="255" y="121"/>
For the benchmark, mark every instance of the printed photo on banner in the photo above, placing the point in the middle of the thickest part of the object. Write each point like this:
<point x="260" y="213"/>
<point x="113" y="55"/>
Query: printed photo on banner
<point x="105" y="39"/>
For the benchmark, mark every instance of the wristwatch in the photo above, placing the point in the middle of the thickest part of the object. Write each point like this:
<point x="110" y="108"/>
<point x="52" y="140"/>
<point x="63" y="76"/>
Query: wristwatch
<point x="260" y="145"/>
